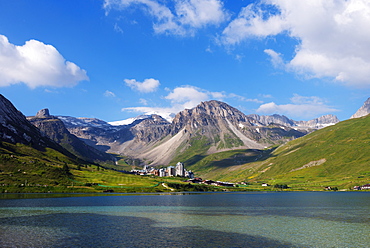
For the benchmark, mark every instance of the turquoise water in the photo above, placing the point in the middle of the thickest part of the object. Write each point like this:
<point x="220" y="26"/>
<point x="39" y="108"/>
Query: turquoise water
<point x="278" y="219"/>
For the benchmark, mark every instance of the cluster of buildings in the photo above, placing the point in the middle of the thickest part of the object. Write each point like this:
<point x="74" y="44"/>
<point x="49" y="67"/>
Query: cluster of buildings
<point x="363" y="187"/>
<point x="178" y="170"/>
<point x="170" y="171"/>
<point x="210" y="182"/>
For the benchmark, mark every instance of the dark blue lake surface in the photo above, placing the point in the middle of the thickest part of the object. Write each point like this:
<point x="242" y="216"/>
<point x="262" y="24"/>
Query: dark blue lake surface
<point x="263" y="219"/>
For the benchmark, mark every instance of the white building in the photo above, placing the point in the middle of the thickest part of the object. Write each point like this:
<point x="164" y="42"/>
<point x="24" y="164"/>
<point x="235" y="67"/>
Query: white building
<point x="180" y="171"/>
<point x="189" y="174"/>
<point x="171" y="171"/>
<point x="162" y="172"/>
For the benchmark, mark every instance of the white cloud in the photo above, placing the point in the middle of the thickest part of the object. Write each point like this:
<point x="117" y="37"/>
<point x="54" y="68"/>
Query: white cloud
<point x="199" y="13"/>
<point x="265" y="95"/>
<point x="184" y="19"/>
<point x="333" y="38"/>
<point x="300" y="107"/>
<point x="242" y="98"/>
<point x="36" y="64"/>
<point x="275" y="58"/>
<point x="108" y="93"/>
<point x="185" y="97"/>
<point x="251" y="23"/>
<point x="148" y="85"/>
<point x="143" y="101"/>
<point x="167" y="113"/>
<point x="117" y="28"/>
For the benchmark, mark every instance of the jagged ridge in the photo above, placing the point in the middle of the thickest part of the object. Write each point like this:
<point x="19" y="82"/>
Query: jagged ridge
<point x="55" y="129"/>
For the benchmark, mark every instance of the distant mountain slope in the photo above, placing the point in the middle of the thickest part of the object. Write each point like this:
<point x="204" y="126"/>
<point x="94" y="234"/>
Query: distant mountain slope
<point x="213" y="125"/>
<point x="363" y="111"/>
<point x="15" y="128"/>
<point x="125" y="139"/>
<point x="316" y="123"/>
<point x="334" y="156"/>
<point x="54" y="128"/>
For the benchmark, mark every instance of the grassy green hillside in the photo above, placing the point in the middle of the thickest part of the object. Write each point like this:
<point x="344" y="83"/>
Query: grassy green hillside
<point x="24" y="165"/>
<point x="24" y="169"/>
<point x="198" y="146"/>
<point x="336" y="156"/>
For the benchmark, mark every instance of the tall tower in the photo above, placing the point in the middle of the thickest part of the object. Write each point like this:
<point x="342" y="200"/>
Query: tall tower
<point x="180" y="171"/>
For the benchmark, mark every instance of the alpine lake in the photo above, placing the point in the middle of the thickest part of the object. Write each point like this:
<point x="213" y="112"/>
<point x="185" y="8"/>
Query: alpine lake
<point x="228" y="219"/>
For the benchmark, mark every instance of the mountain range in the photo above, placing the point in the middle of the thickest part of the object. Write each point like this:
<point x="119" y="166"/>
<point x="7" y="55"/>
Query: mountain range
<point x="215" y="124"/>
<point x="210" y="132"/>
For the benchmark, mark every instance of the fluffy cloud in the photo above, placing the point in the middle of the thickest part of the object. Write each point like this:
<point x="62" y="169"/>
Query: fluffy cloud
<point x="167" y="113"/>
<point x="36" y="64"/>
<point x="184" y="19"/>
<point x="250" y="23"/>
<point x="333" y="38"/>
<point x="185" y="97"/>
<point x="275" y="58"/>
<point x="148" y="85"/>
<point x="300" y="107"/>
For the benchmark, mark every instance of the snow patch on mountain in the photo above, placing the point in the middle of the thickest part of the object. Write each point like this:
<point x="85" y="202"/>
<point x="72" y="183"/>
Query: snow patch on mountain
<point x="128" y="121"/>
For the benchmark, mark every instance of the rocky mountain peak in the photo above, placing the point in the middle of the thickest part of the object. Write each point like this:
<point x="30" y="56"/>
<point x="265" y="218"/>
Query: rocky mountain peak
<point x="208" y="113"/>
<point x="15" y="128"/>
<point x="54" y="128"/>
<point x="43" y="113"/>
<point x="216" y="109"/>
<point x="326" y="119"/>
<point x="364" y="110"/>
<point x="272" y="119"/>
<point x="151" y="120"/>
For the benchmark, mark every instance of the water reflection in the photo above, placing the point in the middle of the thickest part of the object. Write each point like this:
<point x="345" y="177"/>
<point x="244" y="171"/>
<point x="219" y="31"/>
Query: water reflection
<point x="94" y="230"/>
<point x="294" y="219"/>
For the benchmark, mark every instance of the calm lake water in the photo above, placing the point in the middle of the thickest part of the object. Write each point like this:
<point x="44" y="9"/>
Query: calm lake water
<point x="271" y="219"/>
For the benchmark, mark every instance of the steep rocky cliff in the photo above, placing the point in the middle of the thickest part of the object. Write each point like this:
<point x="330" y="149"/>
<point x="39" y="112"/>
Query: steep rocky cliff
<point x="55" y="129"/>
<point x="363" y="111"/>
<point x="15" y="128"/>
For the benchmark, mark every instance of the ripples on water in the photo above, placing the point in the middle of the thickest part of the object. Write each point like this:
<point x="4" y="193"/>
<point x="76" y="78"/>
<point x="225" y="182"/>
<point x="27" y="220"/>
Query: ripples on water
<point x="291" y="219"/>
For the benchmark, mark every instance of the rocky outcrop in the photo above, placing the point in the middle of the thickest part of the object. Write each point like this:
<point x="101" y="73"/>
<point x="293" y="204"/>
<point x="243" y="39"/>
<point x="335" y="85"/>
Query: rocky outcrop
<point x="54" y="128"/>
<point x="321" y="122"/>
<point x="363" y="111"/>
<point x="151" y="129"/>
<point x="15" y="128"/>
<point x="43" y="113"/>
<point x="318" y="123"/>
<point x="266" y="120"/>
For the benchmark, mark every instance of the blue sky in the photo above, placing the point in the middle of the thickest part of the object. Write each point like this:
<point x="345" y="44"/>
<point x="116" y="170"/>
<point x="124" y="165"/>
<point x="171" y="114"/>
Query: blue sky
<point x="117" y="59"/>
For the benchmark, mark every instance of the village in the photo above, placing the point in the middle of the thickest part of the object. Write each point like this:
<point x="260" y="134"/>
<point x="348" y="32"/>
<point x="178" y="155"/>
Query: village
<point x="180" y="171"/>
<point x="363" y="187"/>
